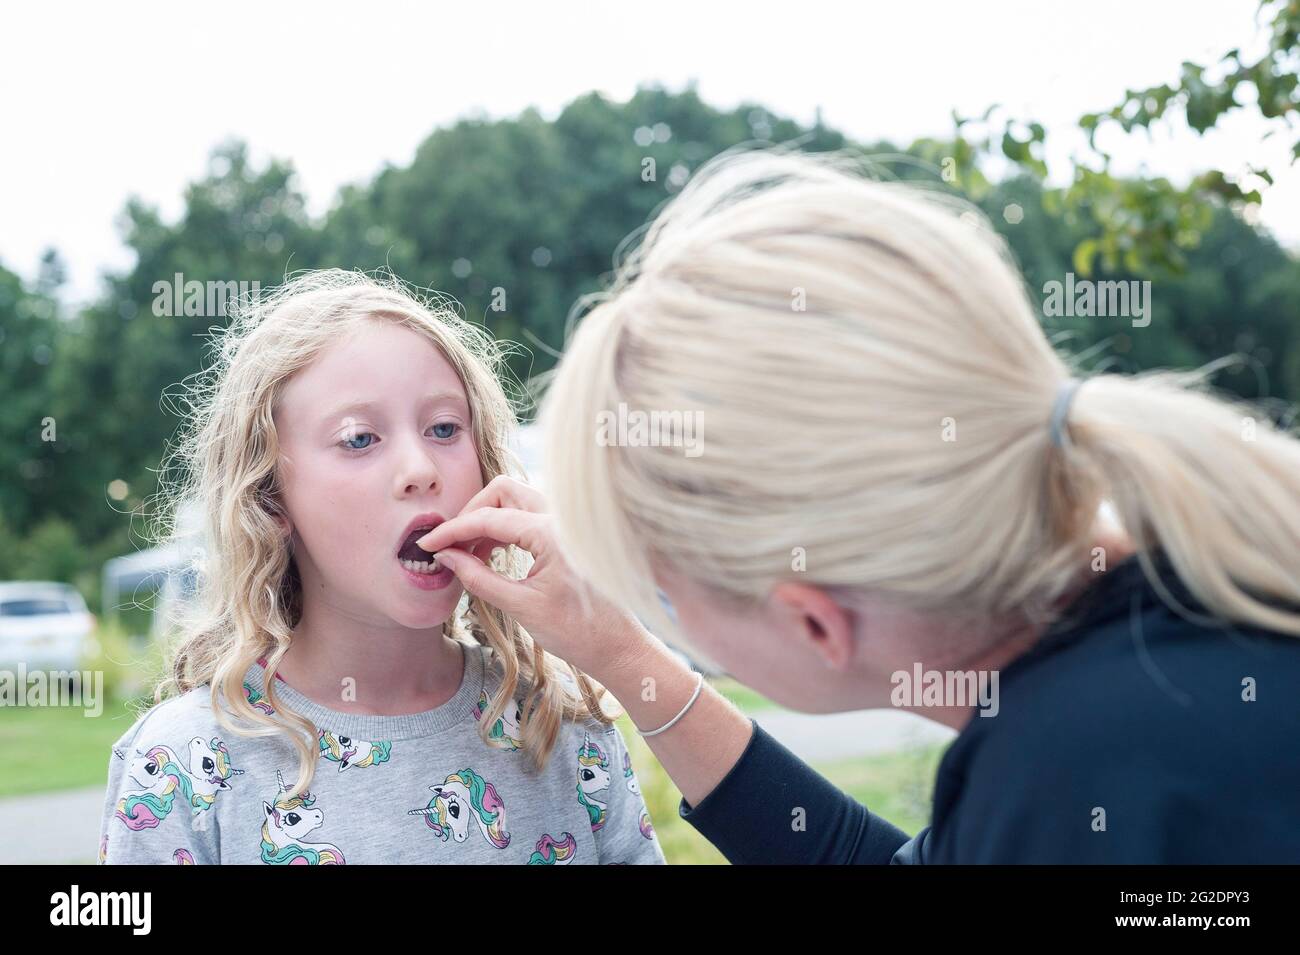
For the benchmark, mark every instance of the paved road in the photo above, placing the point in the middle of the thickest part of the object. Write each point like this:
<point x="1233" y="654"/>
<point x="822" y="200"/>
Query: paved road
<point x="51" y="827"/>
<point x="827" y="737"/>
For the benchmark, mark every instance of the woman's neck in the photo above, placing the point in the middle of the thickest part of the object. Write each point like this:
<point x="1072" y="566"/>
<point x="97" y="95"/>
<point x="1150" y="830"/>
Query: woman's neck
<point x="1021" y="637"/>
<point x="357" y="666"/>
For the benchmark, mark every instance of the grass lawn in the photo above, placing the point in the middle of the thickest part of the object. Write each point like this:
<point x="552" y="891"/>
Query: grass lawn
<point x="750" y="701"/>
<point x="898" y="786"/>
<point x="57" y="747"/>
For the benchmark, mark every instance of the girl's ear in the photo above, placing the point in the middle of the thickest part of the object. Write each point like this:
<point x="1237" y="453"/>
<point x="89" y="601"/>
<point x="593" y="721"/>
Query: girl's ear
<point x="272" y="504"/>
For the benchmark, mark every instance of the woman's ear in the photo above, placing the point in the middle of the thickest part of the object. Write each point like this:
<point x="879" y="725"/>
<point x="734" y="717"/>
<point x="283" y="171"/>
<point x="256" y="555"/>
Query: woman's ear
<point x="810" y="615"/>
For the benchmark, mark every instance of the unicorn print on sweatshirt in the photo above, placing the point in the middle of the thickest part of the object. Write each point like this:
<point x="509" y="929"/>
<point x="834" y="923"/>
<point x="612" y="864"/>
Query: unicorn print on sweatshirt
<point x="505" y="733"/>
<point x="629" y="777"/>
<point x="286" y="826"/>
<point x="593" y="777"/>
<point x="629" y="780"/>
<point x="349" y="752"/>
<point x="551" y="851"/>
<point x="256" y="700"/>
<point x="462" y="797"/>
<point x="209" y="769"/>
<point x="156" y="777"/>
<point x="159" y="777"/>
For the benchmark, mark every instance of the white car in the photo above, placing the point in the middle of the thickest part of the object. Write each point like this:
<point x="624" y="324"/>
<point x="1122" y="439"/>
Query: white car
<point x="43" y="625"/>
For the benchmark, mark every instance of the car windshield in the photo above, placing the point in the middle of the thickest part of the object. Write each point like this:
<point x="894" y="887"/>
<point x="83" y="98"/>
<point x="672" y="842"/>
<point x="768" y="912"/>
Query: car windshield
<point x="33" y="606"/>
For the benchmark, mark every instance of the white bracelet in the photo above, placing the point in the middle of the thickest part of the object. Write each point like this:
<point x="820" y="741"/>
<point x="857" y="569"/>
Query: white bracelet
<point x="699" y="685"/>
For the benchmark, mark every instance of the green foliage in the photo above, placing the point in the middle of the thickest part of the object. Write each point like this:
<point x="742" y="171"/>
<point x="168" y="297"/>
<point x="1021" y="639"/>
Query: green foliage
<point x="517" y="218"/>
<point x="131" y="663"/>
<point x="1235" y="295"/>
<point x="29" y="335"/>
<point x="535" y="209"/>
<point x="1148" y="224"/>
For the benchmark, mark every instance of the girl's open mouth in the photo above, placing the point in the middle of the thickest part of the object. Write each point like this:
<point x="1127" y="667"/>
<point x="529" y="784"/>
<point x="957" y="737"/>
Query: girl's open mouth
<point x="419" y="566"/>
<point x="429" y="566"/>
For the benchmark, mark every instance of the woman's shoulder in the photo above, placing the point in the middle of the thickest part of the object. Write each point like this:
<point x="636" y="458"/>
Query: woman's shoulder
<point x="1159" y="682"/>
<point x="1145" y="714"/>
<point x="1134" y="651"/>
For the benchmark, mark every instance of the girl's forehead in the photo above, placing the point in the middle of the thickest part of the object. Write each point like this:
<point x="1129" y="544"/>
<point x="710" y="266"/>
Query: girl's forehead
<point x="384" y="341"/>
<point x="377" y="362"/>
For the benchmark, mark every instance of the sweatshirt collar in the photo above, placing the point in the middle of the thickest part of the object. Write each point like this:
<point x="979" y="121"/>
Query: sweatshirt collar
<point x="461" y="708"/>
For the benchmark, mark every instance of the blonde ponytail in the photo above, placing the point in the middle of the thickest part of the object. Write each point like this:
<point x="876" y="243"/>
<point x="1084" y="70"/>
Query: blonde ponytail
<point x="1209" y="480"/>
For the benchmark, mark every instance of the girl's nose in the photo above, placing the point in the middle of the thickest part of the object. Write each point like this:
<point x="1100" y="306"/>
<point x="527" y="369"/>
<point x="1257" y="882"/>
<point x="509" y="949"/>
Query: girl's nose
<point x="418" y="472"/>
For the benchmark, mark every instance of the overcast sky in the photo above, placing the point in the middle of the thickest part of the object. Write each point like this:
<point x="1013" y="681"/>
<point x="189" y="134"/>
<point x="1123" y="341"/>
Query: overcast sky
<point x="104" y="101"/>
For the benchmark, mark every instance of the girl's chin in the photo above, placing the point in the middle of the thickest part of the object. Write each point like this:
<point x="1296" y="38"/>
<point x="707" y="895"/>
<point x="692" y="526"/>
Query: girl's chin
<point x="420" y="608"/>
<point x="426" y="618"/>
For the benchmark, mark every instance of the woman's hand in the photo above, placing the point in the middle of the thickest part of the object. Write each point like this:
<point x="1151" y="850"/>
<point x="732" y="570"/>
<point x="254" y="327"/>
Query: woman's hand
<point x="581" y="627"/>
<point x="605" y="642"/>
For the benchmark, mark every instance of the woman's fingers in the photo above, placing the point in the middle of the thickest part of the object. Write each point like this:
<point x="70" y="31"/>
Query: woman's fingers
<point x="505" y="525"/>
<point x="501" y="493"/>
<point x="483" y="549"/>
<point x="483" y="582"/>
<point x="505" y="491"/>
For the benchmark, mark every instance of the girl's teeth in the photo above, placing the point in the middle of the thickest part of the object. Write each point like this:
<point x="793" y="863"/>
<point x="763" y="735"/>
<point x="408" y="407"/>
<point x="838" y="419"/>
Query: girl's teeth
<point x="421" y="566"/>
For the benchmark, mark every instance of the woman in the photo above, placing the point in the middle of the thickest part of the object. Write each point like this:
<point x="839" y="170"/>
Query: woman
<point x="894" y="472"/>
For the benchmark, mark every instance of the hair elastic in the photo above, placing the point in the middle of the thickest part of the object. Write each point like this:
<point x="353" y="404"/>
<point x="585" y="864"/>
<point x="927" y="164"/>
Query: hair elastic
<point x="1064" y="396"/>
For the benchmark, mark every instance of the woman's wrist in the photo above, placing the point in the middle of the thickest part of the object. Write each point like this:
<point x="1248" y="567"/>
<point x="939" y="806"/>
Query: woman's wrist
<point x="624" y="661"/>
<point x="654" y="686"/>
<point x="650" y="682"/>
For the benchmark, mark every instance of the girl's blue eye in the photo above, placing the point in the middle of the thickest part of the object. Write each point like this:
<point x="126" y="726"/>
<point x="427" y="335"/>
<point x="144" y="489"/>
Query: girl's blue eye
<point x="446" y="424"/>
<point x="347" y="442"/>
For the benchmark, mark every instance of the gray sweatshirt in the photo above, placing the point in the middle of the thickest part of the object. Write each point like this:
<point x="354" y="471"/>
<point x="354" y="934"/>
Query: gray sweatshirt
<point x="412" y="789"/>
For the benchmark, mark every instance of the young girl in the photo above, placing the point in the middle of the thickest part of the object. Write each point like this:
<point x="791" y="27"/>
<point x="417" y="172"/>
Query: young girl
<point x="333" y="700"/>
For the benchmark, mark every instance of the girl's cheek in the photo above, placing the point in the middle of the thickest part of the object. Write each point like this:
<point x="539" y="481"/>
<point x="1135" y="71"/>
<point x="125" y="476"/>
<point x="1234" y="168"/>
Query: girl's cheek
<point x="327" y="470"/>
<point x="466" y="466"/>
